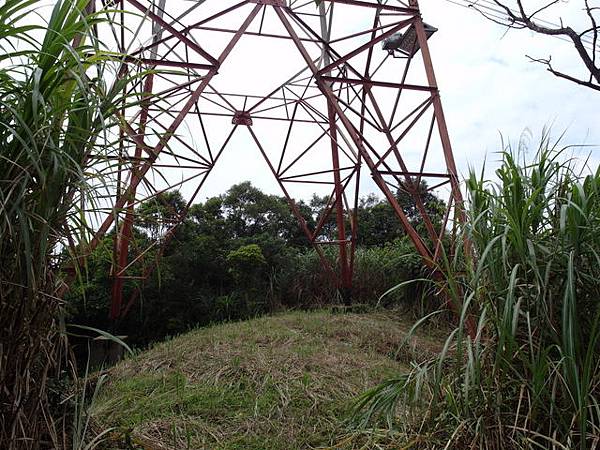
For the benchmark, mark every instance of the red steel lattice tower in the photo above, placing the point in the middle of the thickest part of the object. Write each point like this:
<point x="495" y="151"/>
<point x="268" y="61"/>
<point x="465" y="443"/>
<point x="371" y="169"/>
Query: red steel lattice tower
<point x="360" y="106"/>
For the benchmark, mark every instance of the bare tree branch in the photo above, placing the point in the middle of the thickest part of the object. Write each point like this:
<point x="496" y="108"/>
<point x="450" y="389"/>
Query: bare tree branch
<point x="595" y="31"/>
<point x="548" y="64"/>
<point x="493" y="19"/>
<point x="519" y="19"/>
<point x="543" y="8"/>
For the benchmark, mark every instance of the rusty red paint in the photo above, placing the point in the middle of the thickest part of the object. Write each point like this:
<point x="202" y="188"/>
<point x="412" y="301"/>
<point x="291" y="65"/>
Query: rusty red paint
<point x="242" y="118"/>
<point x="269" y="2"/>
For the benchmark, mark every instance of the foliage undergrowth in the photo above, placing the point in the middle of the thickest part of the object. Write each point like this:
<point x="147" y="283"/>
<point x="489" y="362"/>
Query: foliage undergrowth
<point x="529" y="378"/>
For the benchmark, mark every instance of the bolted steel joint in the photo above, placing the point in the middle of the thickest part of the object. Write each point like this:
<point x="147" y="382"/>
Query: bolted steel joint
<point x="242" y="118"/>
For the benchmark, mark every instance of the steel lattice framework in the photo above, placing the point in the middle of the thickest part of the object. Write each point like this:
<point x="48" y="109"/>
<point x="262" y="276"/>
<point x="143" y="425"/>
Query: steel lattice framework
<point x="352" y="112"/>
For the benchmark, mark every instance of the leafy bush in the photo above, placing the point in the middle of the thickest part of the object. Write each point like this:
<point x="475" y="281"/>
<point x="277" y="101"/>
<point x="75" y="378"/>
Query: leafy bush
<point x="246" y="264"/>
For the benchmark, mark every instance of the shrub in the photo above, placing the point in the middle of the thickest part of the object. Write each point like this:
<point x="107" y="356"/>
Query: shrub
<point x="304" y="283"/>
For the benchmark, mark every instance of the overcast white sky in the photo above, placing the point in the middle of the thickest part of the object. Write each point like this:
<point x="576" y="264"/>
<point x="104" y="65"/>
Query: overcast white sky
<point x="487" y="84"/>
<point x="488" y="88"/>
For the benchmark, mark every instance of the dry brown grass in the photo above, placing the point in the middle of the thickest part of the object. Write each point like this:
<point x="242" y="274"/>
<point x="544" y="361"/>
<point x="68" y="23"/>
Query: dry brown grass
<point x="282" y="382"/>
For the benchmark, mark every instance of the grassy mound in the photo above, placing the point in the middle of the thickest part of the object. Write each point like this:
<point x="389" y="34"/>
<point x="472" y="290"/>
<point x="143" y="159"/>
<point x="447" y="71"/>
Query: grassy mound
<point x="281" y="382"/>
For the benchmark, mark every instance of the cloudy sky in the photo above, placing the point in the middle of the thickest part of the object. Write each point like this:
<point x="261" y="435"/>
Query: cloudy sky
<point x="489" y="88"/>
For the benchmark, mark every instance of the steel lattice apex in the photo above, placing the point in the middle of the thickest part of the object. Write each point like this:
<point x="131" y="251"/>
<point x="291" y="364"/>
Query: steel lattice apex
<point x="354" y="106"/>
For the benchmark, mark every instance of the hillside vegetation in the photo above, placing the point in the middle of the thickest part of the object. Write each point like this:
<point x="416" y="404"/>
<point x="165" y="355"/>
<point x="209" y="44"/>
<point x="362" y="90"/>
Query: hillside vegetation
<point x="282" y="382"/>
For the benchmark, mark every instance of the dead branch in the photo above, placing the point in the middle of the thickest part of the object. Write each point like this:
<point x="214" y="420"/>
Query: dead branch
<point x="519" y="18"/>
<point x="548" y="64"/>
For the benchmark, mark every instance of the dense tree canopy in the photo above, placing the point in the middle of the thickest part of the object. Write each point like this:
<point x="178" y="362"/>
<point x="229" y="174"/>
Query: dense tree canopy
<point x="236" y="255"/>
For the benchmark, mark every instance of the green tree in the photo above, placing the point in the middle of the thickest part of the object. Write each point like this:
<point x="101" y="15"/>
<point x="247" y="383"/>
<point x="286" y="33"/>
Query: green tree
<point x="378" y="223"/>
<point x="246" y="264"/>
<point x="160" y="213"/>
<point x="249" y="211"/>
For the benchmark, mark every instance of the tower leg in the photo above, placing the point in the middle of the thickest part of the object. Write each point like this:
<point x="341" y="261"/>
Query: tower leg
<point x="345" y="284"/>
<point x="127" y="198"/>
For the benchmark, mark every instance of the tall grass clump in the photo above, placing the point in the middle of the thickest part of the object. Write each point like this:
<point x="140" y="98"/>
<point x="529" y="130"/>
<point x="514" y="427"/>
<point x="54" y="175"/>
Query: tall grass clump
<point x="56" y="107"/>
<point x="529" y="378"/>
